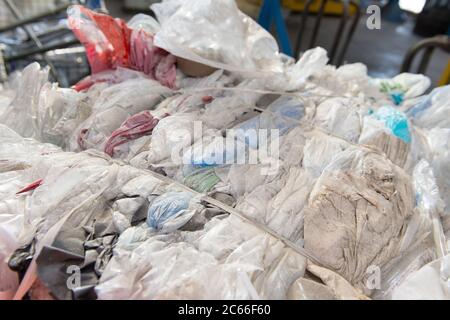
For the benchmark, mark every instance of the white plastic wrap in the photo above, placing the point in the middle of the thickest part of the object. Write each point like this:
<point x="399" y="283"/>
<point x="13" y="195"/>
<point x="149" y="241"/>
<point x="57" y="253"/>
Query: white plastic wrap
<point x="432" y="282"/>
<point x="432" y="111"/>
<point x="208" y="32"/>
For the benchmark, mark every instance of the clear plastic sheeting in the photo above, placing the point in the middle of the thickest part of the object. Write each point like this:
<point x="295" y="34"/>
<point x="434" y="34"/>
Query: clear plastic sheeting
<point x="185" y="25"/>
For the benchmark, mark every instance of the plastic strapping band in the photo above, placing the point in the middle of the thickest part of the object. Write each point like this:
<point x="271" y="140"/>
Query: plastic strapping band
<point x="238" y="214"/>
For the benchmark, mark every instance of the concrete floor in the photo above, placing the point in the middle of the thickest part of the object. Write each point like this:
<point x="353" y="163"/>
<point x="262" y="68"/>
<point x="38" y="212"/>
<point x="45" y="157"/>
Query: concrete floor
<point x="381" y="50"/>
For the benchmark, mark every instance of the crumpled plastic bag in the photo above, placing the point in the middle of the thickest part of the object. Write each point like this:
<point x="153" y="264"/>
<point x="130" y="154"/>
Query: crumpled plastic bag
<point x="112" y="108"/>
<point x="404" y="86"/>
<point x="134" y="127"/>
<point x="283" y="114"/>
<point x="171" y="211"/>
<point x="432" y="282"/>
<point x="340" y="117"/>
<point x="388" y="130"/>
<point x="433" y="110"/>
<point x="110" y="43"/>
<point x="209" y="31"/>
<point x="357" y="213"/>
<point x="22" y="113"/>
<point x="429" y="201"/>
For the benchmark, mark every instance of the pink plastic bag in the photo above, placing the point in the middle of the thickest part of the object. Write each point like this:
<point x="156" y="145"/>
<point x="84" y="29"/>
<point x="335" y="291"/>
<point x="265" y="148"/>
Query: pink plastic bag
<point x="133" y="128"/>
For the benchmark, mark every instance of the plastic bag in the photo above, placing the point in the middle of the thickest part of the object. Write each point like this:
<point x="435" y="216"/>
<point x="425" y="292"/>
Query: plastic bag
<point x="208" y="32"/>
<point x="112" y="108"/>
<point x="429" y="201"/>
<point x="110" y="44"/>
<point x="283" y="114"/>
<point x="170" y="211"/>
<point x="388" y="130"/>
<point x="433" y="111"/>
<point x="107" y="40"/>
<point x="363" y="199"/>
<point x="23" y="112"/>
<point x="134" y="127"/>
<point x="201" y="180"/>
<point x="432" y="282"/>
<point x="340" y="117"/>
<point x="144" y="22"/>
<point x="396" y="121"/>
<point x="404" y="86"/>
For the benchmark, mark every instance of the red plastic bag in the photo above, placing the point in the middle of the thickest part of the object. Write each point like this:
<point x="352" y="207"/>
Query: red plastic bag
<point x="107" y="40"/>
<point x="110" y="44"/>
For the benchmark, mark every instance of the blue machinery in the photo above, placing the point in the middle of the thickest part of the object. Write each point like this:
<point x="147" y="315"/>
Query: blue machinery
<point x="271" y="12"/>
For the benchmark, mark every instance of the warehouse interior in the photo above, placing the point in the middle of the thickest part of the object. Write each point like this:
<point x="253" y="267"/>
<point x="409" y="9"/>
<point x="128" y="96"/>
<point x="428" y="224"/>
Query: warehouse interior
<point x="225" y="150"/>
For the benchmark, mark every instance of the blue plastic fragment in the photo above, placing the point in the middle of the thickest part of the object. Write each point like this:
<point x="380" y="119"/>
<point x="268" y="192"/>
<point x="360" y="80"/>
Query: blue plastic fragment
<point x="396" y="121"/>
<point x="167" y="206"/>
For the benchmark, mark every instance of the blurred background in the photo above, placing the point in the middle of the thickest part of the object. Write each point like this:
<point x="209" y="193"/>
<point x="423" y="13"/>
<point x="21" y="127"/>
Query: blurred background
<point x="413" y="34"/>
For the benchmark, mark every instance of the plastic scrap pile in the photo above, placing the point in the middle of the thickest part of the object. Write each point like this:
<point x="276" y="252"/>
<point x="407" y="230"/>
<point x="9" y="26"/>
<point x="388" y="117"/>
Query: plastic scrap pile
<point x="113" y="179"/>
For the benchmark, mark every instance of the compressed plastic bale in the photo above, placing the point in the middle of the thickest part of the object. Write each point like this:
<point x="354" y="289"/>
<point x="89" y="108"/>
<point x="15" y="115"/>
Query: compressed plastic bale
<point x="166" y="279"/>
<point x="276" y="281"/>
<point x="255" y="204"/>
<point x="243" y="179"/>
<point x="435" y="150"/>
<point x="169" y="138"/>
<point x="228" y="259"/>
<point x="340" y="287"/>
<point x="284" y="213"/>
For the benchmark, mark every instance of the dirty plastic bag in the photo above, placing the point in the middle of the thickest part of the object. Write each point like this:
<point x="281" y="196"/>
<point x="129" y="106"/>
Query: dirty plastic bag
<point x="364" y="199"/>
<point x="388" y="130"/>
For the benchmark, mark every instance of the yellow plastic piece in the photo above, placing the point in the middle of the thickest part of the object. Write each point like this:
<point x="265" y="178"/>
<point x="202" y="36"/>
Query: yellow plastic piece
<point x="331" y="8"/>
<point x="445" y="78"/>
